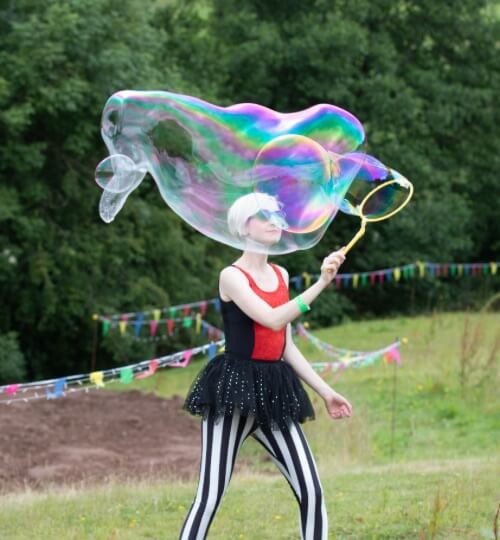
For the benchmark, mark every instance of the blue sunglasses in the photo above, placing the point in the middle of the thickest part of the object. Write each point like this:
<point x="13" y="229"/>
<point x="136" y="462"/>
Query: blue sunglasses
<point x="276" y="217"/>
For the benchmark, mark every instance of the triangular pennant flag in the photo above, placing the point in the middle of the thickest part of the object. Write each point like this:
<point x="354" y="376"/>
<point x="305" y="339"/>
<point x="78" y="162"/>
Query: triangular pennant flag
<point x="97" y="377"/>
<point x="106" y="323"/>
<point x="123" y="324"/>
<point x="126" y="375"/>
<point x="58" y="389"/>
<point x="138" y="324"/>
<point x="212" y="348"/>
<point x="153" y="327"/>
<point x="395" y="354"/>
<point x="198" y="323"/>
<point x="170" y="326"/>
<point x="12" y="389"/>
<point x="153" y="365"/>
<point x="186" y="358"/>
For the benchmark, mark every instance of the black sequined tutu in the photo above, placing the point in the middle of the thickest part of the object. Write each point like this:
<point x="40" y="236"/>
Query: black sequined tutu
<point x="270" y="391"/>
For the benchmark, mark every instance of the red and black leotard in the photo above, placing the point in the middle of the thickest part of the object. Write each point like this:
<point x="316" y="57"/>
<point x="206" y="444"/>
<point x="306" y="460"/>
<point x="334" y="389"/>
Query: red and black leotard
<point x="251" y="375"/>
<point x="247" y="338"/>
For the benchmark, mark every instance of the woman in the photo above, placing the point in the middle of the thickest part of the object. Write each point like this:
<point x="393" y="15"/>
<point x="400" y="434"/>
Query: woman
<point x="253" y="387"/>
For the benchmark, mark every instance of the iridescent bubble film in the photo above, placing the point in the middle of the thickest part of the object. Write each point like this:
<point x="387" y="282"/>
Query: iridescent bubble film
<point x="369" y="173"/>
<point x="205" y="159"/>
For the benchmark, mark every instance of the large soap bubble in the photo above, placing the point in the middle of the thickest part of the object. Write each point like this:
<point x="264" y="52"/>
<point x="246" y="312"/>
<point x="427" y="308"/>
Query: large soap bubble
<point x="388" y="190"/>
<point x="292" y="168"/>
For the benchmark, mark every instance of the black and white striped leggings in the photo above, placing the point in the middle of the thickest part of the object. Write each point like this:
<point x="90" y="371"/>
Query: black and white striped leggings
<point x="288" y="449"/>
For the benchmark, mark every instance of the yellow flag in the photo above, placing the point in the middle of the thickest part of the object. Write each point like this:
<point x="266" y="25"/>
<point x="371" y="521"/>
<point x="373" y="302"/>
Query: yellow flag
<point x="123" y="327"/>
<point x="156" y="314"/>
<point x="421" y="268"/>
<point x="96" y="377"/>
<point x="493" y="266"/>
<point x="198" y="323"/>
<point x="355" y="279"/>
<point x="307" y="279"/>
<point x="397" y="274"/>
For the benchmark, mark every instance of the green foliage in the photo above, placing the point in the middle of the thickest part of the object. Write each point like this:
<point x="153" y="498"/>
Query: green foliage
<point x="12" y="362"/>
<point x="420" y="76"/>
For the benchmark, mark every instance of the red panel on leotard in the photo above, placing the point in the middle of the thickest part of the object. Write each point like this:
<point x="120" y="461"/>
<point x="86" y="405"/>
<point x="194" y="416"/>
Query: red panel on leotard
<point x="268" y="344"/>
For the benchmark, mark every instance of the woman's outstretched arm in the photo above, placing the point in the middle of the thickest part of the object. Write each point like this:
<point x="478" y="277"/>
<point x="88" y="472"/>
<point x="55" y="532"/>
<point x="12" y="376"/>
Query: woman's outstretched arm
<point x="236" y="286"/>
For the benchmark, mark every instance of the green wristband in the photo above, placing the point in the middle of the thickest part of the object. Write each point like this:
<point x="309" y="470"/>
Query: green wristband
<point x="302" y="305"/>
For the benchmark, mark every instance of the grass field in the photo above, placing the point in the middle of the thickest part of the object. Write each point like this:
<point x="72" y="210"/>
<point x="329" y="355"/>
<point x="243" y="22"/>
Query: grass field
<point x="436" y="478"/>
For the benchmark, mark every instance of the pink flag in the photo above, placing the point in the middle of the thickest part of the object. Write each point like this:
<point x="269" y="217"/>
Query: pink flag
<point x="153" y="326"/>
<point x="12" y="389"/>
<point x="393" y="355"/>
<point x="183" y="363"/>
<point x="153" y="365"/>
<point x="170" y="326"/>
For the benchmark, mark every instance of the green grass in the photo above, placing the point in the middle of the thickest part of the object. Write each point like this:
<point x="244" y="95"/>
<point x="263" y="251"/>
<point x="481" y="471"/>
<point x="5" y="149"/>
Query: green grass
<point x="384" y="502"/>
<point x="441" y="481"/>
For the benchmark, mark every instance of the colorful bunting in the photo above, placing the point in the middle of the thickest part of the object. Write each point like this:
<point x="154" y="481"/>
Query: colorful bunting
<point x="301" y="281"/>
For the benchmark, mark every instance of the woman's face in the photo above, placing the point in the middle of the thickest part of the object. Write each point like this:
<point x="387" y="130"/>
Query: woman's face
<point x="262" y="227"/>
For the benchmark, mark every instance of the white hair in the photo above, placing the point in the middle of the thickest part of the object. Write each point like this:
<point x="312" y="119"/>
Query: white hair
<point x="245" y="207"/>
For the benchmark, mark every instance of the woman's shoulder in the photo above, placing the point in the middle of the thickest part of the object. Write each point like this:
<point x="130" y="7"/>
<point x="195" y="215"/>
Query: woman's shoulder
<point x="228" y="272"/>
<point x="283" y="270"/>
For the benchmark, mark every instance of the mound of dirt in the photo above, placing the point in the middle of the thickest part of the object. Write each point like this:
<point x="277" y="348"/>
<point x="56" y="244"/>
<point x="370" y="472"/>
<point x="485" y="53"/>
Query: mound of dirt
<point x="90" y="437"/>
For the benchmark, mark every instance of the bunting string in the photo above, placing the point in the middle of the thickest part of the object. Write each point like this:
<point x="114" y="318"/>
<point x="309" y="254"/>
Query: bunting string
<point x="55" y="388"/>
<point x="59" y="387"/>
<point x="347" y="358"/>
<point x="154" y="319"/>
<point x="161" y="328"/>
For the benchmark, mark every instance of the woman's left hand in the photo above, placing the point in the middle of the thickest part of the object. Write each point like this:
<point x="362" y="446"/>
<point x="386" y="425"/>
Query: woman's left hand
<point x="337" y="405"/>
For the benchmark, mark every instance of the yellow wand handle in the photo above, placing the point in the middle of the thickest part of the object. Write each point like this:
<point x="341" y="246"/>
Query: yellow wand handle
<point x="357" y="236"/>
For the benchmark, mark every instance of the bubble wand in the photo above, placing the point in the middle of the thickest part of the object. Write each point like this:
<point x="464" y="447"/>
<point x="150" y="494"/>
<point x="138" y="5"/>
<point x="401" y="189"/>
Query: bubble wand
<point x="365" y="218"/>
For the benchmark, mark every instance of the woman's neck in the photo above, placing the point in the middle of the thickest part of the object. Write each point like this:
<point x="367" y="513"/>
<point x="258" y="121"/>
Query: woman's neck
<point x="253" y="261"/>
